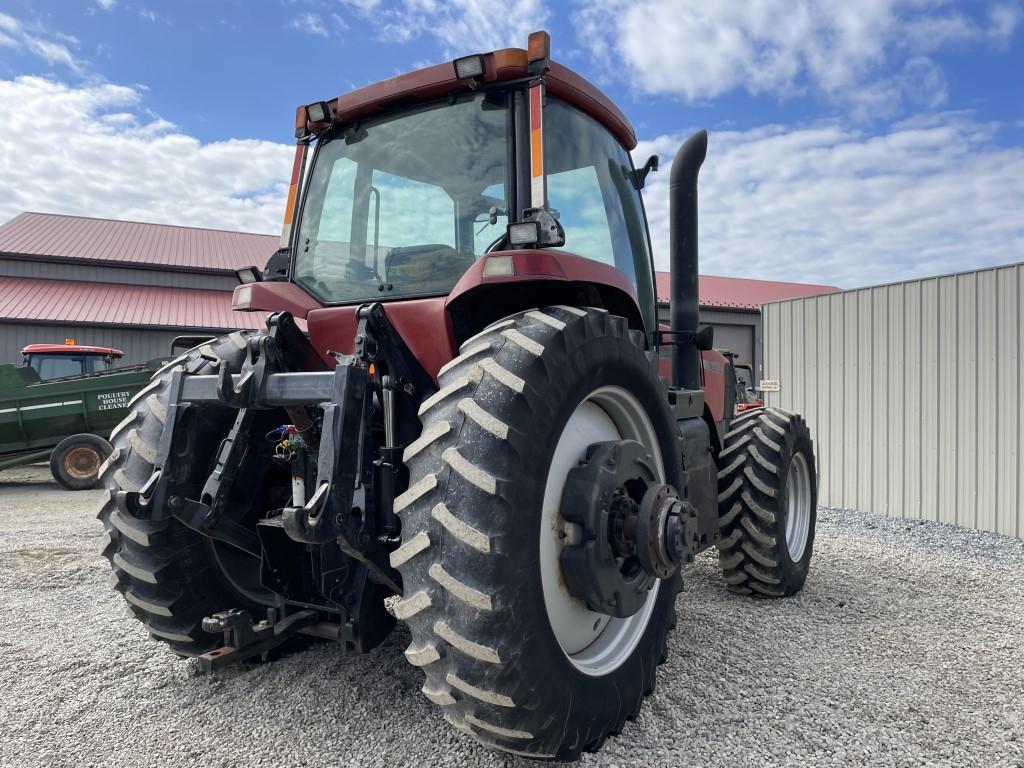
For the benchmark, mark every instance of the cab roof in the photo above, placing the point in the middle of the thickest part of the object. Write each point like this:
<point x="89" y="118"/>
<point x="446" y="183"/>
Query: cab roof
<point x="507" y="64"/>
<point x="70" y="349"/>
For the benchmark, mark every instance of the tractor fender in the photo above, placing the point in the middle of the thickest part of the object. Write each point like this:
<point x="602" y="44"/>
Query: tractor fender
<point x="506" y="282"/>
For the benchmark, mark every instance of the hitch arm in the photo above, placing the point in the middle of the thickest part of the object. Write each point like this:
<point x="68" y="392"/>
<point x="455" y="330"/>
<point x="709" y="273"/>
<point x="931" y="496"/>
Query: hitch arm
<point x="202" y="519"/>
<point x="243" y="639"/>
<point x="208" y="515"/>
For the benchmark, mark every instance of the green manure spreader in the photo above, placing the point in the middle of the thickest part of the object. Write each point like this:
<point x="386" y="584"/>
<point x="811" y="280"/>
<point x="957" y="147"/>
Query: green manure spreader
<point x="66" y="419"/>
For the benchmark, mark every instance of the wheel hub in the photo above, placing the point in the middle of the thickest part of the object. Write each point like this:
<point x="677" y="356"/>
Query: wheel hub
<point x="632" y="528"/>
<point x="666" y="531"/>
<point x="82" y="463"/>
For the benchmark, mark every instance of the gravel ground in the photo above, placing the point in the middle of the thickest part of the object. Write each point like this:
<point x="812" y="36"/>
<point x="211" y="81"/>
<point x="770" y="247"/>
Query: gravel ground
<point x="905" y="648"/>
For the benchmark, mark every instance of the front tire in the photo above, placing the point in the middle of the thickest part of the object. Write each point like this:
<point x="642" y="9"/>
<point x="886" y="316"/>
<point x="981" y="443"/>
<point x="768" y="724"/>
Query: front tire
<point x="479" y="547"/>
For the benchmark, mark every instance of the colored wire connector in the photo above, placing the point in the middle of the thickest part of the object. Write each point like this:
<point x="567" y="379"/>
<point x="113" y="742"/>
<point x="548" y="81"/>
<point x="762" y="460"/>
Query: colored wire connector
<point x="287" y="443"/>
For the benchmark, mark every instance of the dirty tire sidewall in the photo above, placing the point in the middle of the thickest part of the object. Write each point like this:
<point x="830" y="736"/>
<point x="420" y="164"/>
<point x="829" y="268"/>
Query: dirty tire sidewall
<point x="470" y="557"/>
<point x="167" y="572"/>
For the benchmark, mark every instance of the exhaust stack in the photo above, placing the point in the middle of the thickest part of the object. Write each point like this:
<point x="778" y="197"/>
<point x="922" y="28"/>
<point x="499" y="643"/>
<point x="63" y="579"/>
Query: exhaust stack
<point x="685" y="314"/>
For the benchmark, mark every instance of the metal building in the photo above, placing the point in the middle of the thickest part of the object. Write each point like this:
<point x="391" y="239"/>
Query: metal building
<point x="733" y="306"/>
<point x="914" y="394"/>
<point x="120" y="284"/>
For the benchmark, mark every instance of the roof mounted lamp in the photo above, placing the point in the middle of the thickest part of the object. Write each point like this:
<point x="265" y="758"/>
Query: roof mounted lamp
<point x="318" y="112"/>
<point x="470" y="67"/>
<point x="247" y="275"/>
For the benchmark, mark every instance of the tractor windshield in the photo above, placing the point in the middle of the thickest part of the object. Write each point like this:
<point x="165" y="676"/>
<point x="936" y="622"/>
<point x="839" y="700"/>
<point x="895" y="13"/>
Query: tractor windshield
<point x="57" y="366"/>
<point x="403" y="205"/>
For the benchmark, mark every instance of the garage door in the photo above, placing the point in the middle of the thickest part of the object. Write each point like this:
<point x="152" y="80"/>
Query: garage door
<point x="737" y="338"/>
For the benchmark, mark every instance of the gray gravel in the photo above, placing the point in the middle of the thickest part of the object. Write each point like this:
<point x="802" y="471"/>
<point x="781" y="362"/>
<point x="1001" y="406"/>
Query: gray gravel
<point x="905" y="648"/>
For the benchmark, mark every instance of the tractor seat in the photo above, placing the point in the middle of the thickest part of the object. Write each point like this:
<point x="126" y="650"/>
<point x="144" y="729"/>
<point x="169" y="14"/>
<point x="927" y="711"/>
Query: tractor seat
<point x="426" y="268"/>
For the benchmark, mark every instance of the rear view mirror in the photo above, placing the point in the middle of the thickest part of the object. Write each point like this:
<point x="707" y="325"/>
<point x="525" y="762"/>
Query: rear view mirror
<point x="639" y="175"/>
<point x="704" y="338"/>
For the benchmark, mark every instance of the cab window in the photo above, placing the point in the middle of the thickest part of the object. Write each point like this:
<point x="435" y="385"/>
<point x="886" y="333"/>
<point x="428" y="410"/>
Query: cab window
<point x="399" y="206"/>
<point x="56" y="366"/>
<point x="97" y="363"/>
<point x="582" y="214"/>
<point x="591" y="193"/>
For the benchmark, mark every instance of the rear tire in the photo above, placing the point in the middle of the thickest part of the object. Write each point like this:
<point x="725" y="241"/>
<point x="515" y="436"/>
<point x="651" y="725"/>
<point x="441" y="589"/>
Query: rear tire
<point x="767" y="501"/>
<point x="475" y="517"/>
<point x="75" y="462"/>
<point x="170" y="575"/>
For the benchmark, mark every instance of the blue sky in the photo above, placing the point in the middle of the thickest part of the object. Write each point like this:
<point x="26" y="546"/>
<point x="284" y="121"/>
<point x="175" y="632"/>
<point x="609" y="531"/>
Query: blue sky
<point x="851" y="143"/>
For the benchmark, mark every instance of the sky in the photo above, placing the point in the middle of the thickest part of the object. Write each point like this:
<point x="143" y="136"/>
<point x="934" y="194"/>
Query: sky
<point x="851" y="143"/>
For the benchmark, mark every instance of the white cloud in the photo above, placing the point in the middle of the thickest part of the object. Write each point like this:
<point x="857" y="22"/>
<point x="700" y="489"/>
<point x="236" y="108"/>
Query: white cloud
<point x="460" y="26"/>
<point x="819" y="203"/>
<point x="362" y="5"/>
<point x="1003" y="21"/>
<point x="869" y="54"/>
<point x="99" y="155"/>
<point x="28" y="38"/>
<point x="310" y="23"/>
<point x="106" y="5"/>
<point x="828" y="204"/>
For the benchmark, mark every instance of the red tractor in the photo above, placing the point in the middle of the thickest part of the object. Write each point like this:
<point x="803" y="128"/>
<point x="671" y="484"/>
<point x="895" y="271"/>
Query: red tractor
<point x="457" y="402"/>
<point x="56" y="361"/>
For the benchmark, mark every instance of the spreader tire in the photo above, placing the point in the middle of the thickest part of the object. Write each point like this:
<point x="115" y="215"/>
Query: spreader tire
<point x="76" y="461"/>
<point x="168" y="573"/>
<point x="481" y="477"/>
<point x="767" y="501"/>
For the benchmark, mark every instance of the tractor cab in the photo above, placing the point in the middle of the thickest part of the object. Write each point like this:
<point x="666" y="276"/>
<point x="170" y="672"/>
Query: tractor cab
<point x="58" y="361"/>
<point x="401" y="206"/>
<point x="400" y="189"/>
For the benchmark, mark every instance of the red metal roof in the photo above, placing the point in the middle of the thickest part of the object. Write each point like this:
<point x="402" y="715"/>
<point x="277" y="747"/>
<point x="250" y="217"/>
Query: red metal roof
<point x="132" y="242"/>
<point x="741" y="292"/>
<point x="70" y="349"/>
<point x="65" y="301"/>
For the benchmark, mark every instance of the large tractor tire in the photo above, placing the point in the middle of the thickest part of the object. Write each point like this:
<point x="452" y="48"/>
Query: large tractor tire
<point x="509" y="655"/>
<point x="768" y="501"/>
<point x="170" y="575"/>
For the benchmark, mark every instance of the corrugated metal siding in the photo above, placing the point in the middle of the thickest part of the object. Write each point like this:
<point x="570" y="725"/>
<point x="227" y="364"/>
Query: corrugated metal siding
<point x="64" y="301"/>
<point x="106" y="273"/>
<point x="138" y="345"/>
<point x="914" y="394"/>
<point x="133" y="242"/>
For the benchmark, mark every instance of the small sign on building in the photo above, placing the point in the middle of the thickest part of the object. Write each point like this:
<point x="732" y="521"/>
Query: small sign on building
<point x="769" y="385"/>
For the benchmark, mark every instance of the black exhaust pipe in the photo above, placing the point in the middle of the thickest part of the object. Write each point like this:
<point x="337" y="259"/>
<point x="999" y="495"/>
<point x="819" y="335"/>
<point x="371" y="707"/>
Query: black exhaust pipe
<point x="685" y="312"/>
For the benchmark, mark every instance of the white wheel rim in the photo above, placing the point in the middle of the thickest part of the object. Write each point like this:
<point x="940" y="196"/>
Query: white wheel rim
<point x="798" y="506"/>
<point x="595" y="643"/>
